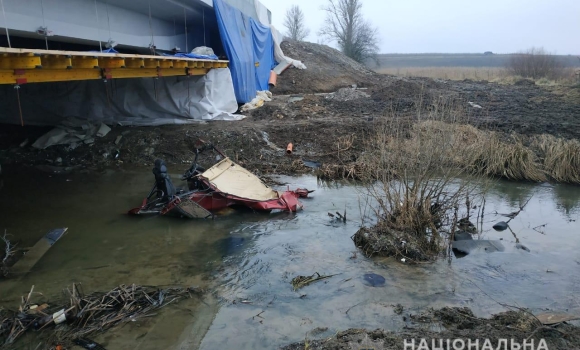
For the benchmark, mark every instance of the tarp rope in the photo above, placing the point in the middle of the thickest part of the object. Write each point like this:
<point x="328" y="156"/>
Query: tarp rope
<point x="98" y="27"/>
<point x="17" y="88"/>
<point x="185" y="21"/>
<point x="203" y="16"/>
<point x="151" y="28"/>
<point x="109" y="23"/>
<point x="5" y="24"/>
<point x="44" y="24"/>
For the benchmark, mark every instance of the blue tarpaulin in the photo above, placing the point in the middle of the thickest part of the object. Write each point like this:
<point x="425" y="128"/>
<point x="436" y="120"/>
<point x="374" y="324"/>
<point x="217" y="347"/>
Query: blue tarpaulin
<point x="250" y="49"/>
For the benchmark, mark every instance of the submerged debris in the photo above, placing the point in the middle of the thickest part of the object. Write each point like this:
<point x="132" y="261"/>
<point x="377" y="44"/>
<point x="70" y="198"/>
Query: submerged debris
<point x="302" y="281"/>
<point x="374" y="280"/>
<point x="500" y="226"/>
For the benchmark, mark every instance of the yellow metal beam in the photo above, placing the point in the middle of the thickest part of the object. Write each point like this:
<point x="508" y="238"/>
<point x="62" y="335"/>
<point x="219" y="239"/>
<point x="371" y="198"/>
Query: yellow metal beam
<point x="151" y="63"/>
<point x="52" y="75"/>
<point x="165" y="64"/>
<point x="85" y="62"/>
<point x="20" y="66"/>
<point x="48" y="75"/>
<point x="179" y="64"/>
<point x="197" y="71"/>
<point x="111" y="62"/>
<point x="134" y="63"/>
<point x="19" y="62"/>
<point x="56" y="62"/>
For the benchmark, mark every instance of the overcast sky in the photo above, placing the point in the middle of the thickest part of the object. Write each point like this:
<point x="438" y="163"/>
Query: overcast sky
<point x="457" y="26"/>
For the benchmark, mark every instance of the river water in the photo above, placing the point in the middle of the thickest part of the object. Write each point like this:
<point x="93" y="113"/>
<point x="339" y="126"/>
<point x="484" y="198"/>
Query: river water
<point x="249" y="259"/>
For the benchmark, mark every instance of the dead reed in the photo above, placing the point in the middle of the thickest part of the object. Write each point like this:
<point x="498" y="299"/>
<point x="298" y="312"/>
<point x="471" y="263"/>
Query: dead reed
<point x="426" y="177"/>
<point x="561" y="158"/>
<point x="85" y="315"/>
<point x="420" y="186"/>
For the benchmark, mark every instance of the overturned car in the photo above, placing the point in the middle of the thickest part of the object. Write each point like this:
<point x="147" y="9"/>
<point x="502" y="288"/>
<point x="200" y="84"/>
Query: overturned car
<point x="225" y="184"/>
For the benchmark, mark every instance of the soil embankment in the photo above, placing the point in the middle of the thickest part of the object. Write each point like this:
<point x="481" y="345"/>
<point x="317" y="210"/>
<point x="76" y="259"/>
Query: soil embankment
<point x="328" y="128"/>
<point x="322" y="128"/>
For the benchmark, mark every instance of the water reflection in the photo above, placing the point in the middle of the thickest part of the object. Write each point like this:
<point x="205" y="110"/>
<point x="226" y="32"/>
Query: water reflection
<point x="567" y="198"/>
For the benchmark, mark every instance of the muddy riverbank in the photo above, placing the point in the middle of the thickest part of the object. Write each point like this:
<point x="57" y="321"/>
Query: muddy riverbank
<point x="322" y="128"/>
<point x="457" y="326"/>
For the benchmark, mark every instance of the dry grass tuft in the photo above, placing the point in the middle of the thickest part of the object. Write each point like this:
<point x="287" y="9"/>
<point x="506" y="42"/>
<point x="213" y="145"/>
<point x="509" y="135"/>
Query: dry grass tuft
<point x="428" y="175"/>
<point x="509" y="158"/>
<point x="561" y="157"/>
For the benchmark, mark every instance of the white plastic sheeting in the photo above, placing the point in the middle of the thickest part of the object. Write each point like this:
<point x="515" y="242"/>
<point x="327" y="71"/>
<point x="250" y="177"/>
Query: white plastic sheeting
<point x="278" y="54"/>
<point x="142" y="101"/>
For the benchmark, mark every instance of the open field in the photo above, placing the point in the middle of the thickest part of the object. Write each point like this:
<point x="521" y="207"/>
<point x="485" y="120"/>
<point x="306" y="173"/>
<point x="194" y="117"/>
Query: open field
<point x="493" y="74"/>
<point x="450" y="73"/>
<point x="455" y="60"/>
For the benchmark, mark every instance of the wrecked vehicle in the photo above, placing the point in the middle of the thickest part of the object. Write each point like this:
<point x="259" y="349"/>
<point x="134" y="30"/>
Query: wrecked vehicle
<point x="225" y="184"/>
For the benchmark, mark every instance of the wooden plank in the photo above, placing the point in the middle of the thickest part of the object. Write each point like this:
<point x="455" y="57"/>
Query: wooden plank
<point x="7" y="50"/>
<point x="550" y="318"/>
<point x="32" y="257"/>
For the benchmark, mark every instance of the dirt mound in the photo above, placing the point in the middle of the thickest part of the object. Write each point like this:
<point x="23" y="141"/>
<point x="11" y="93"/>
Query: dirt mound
<point x="347" y="94"/>
<point x="327" y="70"/>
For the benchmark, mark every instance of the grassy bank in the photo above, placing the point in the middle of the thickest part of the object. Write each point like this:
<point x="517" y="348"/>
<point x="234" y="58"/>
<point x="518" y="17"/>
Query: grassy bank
<point x="425" y="178"/>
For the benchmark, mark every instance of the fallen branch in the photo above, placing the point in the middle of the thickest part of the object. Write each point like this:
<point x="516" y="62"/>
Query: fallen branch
<point x="9" y="250"/>
<point x="540" y="231"/>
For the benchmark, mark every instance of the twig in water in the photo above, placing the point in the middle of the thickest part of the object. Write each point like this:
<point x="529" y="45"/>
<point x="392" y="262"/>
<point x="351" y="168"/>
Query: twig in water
<point x="539" y="231"/>
<point x="352" y="307"/>
<point x="513" y="233"/>
<point x="258" y="315"/>
<point x="302" y="281"/>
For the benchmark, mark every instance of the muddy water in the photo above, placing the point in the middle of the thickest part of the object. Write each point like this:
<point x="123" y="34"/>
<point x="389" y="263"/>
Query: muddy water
<point x="104" y="247"/>
<point x="268" y="313"/>
<point x="251" y="258"/>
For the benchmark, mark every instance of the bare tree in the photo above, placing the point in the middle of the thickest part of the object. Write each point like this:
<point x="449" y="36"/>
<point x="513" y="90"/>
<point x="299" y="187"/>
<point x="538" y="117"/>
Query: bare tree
<point x="294" y="23"/>
<point x="344" y="23"/>
<point x="535" y="63"/>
